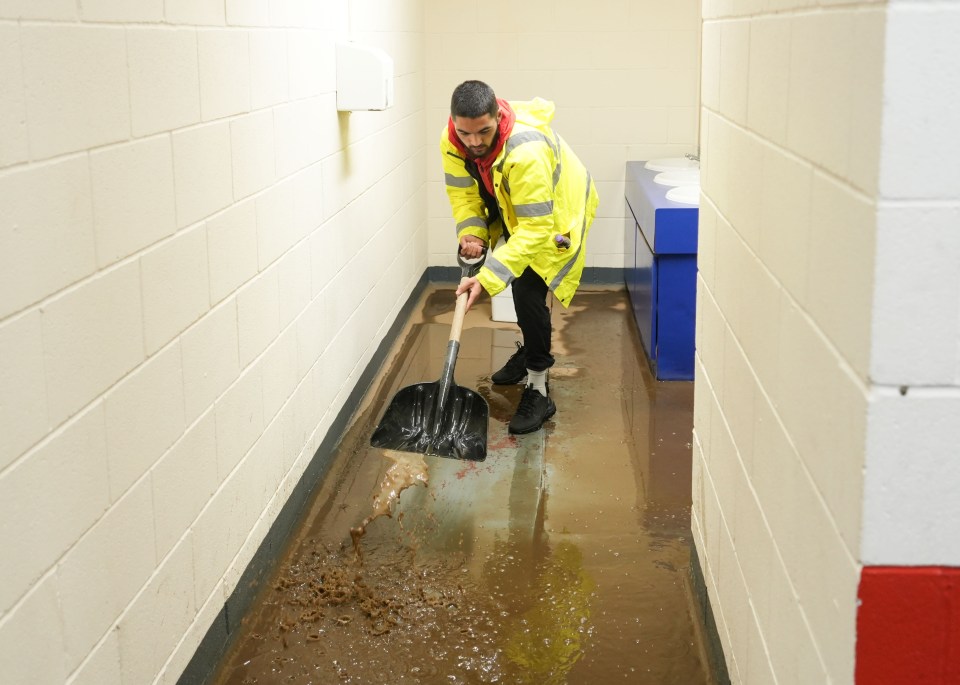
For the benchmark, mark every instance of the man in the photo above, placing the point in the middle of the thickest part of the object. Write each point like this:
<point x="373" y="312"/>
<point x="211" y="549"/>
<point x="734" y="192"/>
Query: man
<point x="508" y="173"/>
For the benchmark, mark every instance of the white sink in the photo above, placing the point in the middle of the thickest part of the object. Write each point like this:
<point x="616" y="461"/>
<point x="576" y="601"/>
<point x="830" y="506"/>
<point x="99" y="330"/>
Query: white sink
<point x="671" y="164"/>
<point x="683" y="177"/>
<point x="688" y="195"/>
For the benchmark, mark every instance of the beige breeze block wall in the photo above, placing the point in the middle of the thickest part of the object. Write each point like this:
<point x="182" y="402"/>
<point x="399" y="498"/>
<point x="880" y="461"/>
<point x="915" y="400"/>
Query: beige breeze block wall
<point x="828" y="283"/>
<point x="198" y="257"/>
<point x="624" y="75"/>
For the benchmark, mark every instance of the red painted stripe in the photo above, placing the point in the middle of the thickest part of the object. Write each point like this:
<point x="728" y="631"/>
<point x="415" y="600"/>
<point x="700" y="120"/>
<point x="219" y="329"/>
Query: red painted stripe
<point x="908" y="626"/>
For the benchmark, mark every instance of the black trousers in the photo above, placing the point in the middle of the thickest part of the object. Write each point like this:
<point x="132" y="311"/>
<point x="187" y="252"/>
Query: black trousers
<point x="533" y="317"/>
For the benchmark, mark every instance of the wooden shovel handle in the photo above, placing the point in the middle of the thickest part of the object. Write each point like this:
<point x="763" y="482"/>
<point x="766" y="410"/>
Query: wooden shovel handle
<point x="467" y="267"/>
<point x="459" y="312"/>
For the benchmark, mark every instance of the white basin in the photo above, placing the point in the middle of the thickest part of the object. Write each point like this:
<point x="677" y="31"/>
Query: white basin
<point x="671" y="164"/>
<point x="684" y="177"/>
<point x="688" y="195"/>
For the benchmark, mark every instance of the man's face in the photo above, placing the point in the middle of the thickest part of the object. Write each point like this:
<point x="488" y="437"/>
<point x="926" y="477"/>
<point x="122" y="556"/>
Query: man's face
<point x="477" y="134"/>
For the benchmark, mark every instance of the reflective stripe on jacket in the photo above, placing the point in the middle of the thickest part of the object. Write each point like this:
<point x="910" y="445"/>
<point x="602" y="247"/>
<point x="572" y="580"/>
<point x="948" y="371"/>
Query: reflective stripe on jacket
<point x="542" y="191"/>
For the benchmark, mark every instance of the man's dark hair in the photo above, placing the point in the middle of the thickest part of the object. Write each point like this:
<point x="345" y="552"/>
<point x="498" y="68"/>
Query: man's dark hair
<point x="473" y="99"/>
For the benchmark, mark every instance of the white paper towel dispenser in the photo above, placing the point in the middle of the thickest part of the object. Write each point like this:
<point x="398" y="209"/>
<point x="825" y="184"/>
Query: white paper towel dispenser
<point x="364" y="78"/>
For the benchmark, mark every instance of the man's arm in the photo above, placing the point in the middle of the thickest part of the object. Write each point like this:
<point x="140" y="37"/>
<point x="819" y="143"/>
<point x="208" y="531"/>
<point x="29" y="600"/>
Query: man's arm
<point x="529" y="176"/>
<point x="469" y="211"/>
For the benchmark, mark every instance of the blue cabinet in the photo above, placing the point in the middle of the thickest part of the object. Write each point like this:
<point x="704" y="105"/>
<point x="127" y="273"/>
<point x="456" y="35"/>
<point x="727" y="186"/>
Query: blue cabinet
<point x="660" y="247"/>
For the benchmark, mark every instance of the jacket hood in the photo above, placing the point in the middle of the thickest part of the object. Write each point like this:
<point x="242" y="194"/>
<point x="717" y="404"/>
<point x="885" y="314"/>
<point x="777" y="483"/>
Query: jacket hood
<point x="536" y="112"/>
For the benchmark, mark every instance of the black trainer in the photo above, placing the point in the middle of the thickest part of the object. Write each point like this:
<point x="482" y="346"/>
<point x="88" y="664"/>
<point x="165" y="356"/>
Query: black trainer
<point x="532" y="411"/>
<point x="514" y="371"/>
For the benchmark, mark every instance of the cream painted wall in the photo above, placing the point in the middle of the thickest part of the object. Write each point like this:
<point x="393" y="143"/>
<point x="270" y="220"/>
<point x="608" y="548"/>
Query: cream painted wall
<point x="623" y="74"/>
<point x="791" y="134"/>
<point x="198" y="256"/>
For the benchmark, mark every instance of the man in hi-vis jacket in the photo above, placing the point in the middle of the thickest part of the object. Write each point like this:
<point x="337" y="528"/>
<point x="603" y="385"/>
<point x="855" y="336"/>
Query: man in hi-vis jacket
<point x="508" y="173"/>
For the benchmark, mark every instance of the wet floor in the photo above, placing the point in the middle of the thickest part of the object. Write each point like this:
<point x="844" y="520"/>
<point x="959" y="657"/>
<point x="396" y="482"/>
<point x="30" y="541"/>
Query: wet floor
<point x="563" y="558"/>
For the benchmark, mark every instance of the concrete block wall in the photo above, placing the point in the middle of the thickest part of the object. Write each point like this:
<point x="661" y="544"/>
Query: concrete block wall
<point x="791" y="127"/>
<point x="624" y="77"/>
<point x="198" y="256"/>
<point x="911" y="513"/>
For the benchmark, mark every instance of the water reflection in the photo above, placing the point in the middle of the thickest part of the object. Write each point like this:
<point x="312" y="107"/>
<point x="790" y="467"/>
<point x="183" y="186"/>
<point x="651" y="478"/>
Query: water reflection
<point x="546" y="640"/>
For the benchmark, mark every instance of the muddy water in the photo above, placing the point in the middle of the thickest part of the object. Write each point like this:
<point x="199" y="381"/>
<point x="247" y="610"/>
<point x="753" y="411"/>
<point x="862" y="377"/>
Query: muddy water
<point x="406" y="470"/>
<point x="562" y="558"/>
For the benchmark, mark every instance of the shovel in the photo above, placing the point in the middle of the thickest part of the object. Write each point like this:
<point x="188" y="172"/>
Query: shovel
<point x="441" y="418"/>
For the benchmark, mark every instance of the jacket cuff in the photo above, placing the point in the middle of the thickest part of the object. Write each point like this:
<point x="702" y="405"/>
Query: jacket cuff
<point x="490" y="283"/>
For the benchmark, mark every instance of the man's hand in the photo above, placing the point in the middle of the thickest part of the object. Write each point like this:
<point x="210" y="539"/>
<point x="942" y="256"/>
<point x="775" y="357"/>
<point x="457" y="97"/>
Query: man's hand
<point x="472" y="287"/>
<point x="471" y="246"/>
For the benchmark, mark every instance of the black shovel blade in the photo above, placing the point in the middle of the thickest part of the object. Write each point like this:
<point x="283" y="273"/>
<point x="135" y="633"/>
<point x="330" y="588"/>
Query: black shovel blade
<point x="409" y="424"/>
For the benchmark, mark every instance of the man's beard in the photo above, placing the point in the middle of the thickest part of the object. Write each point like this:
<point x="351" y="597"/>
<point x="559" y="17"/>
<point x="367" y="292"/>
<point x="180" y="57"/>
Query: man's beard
<point x="486" y="148"/>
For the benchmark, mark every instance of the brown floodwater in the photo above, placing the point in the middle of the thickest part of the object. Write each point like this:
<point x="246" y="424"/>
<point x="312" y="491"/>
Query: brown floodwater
<point x="563" y="558"/>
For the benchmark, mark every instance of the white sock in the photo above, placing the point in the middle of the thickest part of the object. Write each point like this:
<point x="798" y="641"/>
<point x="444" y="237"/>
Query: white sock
<point x="538" y="379"/>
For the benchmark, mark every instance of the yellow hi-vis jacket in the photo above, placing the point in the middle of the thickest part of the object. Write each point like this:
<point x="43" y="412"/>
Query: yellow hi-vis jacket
<point x="542" y="190"/>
